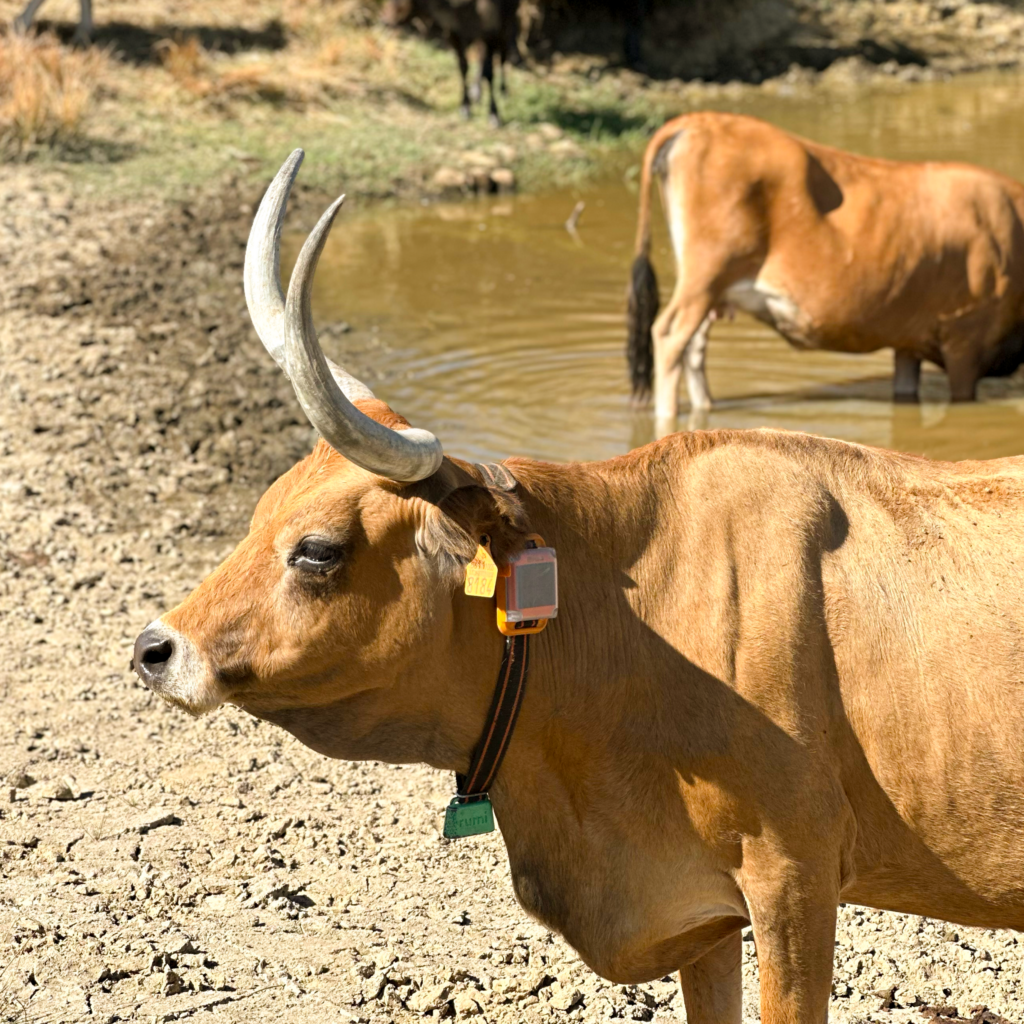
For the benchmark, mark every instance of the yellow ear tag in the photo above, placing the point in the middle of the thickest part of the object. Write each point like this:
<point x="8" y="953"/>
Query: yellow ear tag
<point x="481" y="573"/>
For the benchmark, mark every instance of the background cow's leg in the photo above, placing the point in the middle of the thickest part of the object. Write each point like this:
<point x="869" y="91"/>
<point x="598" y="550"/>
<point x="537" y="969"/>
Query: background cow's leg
<point x="793" y="907"/>
<point x="487" y="73"/>
<point x="962" y="372"/>
<point x="906" y="377"/>
<point x="693" y="363"/>
<point x="27" y="16"/>
<point x="503" y="68"/>
<point x="460" y="56"/>
<point x="83" y="34"/>
<point x="683" y="322"/>
<point x="713" y="985"/>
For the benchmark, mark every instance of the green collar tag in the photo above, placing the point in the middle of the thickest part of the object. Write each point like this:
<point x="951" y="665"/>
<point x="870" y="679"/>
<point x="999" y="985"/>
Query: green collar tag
<point x="468" y="816"/>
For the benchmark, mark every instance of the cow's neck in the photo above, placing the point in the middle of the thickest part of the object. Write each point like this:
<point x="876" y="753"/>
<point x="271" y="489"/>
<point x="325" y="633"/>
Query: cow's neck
<point x="582" y="710"/>
<point x="598" y="740"/>
<point x="594" y="707"/>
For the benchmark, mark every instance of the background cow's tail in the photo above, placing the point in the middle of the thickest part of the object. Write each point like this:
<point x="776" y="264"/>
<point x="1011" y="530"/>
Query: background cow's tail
<point x="643" y="285"/>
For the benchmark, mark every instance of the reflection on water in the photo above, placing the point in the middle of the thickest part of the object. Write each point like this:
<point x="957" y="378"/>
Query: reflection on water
<point x="494" y="328"/>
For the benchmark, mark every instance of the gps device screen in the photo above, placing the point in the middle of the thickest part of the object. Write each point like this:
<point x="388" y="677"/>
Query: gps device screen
<point x="535" y="585"/>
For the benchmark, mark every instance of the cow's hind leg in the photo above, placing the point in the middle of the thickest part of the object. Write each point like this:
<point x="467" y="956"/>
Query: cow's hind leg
<point x="713" y="985"/>
<point x="680" y="344"/>
<point x="906" y="378"/>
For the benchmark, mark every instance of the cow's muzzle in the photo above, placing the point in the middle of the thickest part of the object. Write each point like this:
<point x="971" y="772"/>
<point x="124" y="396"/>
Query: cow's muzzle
<point x="169" y="664"/>
<point x="154" y="655"/>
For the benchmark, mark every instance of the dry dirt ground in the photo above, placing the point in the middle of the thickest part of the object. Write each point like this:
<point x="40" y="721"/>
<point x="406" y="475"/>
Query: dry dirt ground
<point x="155" y="867"/>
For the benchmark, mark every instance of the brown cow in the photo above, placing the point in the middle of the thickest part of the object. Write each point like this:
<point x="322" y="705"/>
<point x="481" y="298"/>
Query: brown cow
<point x="833" y="250"/>
<point x="786" y="671"/>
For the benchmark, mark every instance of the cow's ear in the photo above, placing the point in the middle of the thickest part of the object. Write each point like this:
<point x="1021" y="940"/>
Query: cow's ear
<point x="461" y="511"/>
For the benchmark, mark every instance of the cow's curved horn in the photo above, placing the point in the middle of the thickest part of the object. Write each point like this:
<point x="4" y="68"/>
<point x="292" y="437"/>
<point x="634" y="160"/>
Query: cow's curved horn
<point x="262" y="276"/>
<point x="285" y="326"/>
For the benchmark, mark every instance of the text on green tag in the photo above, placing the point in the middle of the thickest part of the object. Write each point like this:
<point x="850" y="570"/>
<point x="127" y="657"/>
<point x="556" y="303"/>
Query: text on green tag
<point x="472" y="818"/>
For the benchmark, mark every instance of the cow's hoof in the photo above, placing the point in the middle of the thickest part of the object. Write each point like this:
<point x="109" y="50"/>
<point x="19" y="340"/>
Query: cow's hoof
<point x="465" y="111"/>
<point x="495" y="120"/>
<point x="906" y="398"/>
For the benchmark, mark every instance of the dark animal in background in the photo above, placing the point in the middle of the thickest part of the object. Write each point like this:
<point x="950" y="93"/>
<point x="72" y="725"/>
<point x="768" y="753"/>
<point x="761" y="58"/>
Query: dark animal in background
<point x="82" y="34"/>
<point x="492" y="23"/>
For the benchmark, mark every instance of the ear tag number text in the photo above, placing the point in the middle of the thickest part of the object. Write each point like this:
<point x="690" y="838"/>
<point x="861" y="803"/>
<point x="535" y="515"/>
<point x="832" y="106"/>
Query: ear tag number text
<point x="481" y="573"/>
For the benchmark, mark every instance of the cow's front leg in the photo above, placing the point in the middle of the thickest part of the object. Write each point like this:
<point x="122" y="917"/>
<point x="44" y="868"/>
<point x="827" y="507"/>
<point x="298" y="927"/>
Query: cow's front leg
<point x="793" y="909"/>
<point x="906" y="377"/>
<point x="713" y="985"/>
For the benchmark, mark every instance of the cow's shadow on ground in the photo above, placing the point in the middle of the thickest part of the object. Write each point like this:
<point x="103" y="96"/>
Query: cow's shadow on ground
<point x="136" y="45"/>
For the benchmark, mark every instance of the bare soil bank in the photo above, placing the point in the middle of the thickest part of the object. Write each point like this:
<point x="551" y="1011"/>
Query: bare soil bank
<point x="752" y="40"/>
<point x="153" y="866"/>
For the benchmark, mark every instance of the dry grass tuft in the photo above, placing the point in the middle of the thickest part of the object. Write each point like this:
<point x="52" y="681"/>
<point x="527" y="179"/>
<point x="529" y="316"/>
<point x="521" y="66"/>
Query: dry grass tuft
<point x="186" y="62"/>
<point x="45" y="92"/>
<point x="333" y="53"/>
<point x="191" y="67"/>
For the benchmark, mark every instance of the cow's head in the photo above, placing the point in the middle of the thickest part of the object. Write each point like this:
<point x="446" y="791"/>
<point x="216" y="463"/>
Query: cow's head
<point x="344" y="591"/>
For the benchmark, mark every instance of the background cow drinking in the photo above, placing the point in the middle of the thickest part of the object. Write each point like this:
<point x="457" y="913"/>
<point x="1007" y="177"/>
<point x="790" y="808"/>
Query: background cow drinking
<point x="833" y="250"/>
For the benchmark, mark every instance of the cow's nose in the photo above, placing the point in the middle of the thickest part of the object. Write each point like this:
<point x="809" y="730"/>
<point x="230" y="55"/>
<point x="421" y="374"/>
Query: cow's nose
<point x="153" y="653"/>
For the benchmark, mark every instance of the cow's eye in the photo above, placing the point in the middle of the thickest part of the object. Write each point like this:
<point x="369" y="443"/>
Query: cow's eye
<point x="315" y="554"/>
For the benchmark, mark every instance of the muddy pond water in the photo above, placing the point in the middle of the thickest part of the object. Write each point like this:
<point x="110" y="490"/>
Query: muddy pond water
<point x="492" y="326"/>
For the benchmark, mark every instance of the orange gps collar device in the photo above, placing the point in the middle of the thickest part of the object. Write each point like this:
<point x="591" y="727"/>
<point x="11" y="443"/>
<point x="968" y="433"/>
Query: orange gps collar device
<point x="526" y="591"/>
